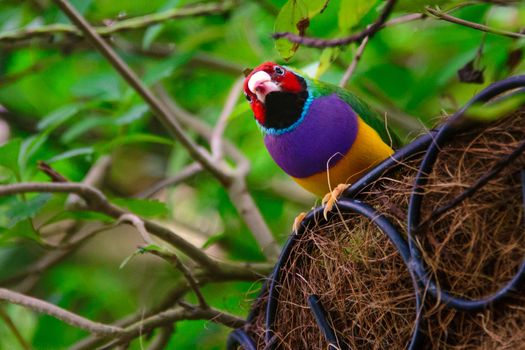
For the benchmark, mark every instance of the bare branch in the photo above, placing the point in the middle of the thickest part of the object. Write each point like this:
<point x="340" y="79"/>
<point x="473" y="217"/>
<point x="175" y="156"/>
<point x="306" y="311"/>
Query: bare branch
<point x="59" y="313"/>
<point x="11" y="325"/>
<point x="171" y="316"/>
<point x="446" y="17"/>
<point x="162" y="338"/>
<point x="159" y="110"/>
<point x="98" y="202"/>
<point x="323" y="43"/>
<point x="181" y="176"/>
<point x="115" y="27"/>
<point x="220" y="126"/>
<point x="354" y="63"/>
<point x="174" y="260"/>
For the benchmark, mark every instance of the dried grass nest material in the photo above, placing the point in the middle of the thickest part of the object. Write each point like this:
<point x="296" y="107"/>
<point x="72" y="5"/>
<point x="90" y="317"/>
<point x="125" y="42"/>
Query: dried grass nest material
<point x="472" y="250"/>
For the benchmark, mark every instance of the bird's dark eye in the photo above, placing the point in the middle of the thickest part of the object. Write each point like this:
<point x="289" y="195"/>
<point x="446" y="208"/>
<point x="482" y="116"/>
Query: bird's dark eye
<point x="279" y="70"/>
<point x="248" y="97"/>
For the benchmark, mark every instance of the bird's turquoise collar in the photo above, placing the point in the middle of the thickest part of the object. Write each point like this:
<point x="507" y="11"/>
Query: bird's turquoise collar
<point x="306" y="107"/>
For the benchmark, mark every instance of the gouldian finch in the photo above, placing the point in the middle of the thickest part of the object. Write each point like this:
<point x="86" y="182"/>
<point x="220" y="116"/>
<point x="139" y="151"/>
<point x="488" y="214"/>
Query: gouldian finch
<point x="318" y="133"/>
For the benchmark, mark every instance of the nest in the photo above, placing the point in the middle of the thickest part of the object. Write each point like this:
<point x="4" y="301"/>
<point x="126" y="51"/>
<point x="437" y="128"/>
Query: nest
<point x="471" y="250"/>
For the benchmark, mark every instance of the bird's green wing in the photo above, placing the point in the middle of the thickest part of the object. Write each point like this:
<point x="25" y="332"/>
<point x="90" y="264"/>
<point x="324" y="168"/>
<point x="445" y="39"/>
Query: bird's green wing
<point x="368" y="115"/>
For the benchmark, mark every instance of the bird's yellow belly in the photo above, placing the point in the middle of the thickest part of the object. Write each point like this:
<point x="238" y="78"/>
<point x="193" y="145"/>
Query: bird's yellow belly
<point x="367" y="151"/>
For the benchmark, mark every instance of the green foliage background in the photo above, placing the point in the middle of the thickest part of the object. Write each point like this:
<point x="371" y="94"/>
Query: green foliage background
<point x="64" y="104"/>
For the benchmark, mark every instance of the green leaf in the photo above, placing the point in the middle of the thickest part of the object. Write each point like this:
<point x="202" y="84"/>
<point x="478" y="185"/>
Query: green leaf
<point x="29" y="149"/>
<point x="327" y="57"/>
<point x="22" y="228"/>
<point x="21" y="210"/>
<point x="9" y="155"/>
<point x="352" y="11"/>
<point x="128" y="259"/>
<point x="151" y="34"/>
<point x="316" y="7"/>
<point x="143" y="207"/>
<point x="142" y="250"/>
<point x="213" y="239"/>
<point x="135" y="113"/>
<point x="57" y="117"/>
<point x="83" y="126"/>
<point x="151" y="248"/>
<point x="71" y="153"/>
<point x="84" y="215"/>
<point x="292" y="18"/>
<point x="136" y="138"/>
<point x="497" y="110"/>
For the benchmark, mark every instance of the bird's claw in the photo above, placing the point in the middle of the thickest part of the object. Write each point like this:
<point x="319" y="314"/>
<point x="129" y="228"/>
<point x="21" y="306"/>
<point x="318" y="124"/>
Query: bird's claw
<point x="330" y="199"/>
<point x="297" y="221"/>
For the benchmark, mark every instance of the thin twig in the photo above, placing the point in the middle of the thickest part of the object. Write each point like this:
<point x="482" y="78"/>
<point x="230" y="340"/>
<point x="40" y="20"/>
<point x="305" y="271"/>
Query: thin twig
<point x="159" y="110"/>
<point x="127" y="24"/>
<point x="162" y="339"/>
<point x="137" y="222"/>
<point x="59" y="313"/>
<point x="168" y="317"/>
<point x="181" y="176"/>
<point x="354" y="63"/>
<point x="98" y="202"/>
<point x="323" y="43"/>
<point x="237" y="189"/>
<point x="175" y="261"/>
<point x="220" y="126"/>
<point x="404" y="19"/>
<point x="11" y="325"/>
<point x="446" y="17"/>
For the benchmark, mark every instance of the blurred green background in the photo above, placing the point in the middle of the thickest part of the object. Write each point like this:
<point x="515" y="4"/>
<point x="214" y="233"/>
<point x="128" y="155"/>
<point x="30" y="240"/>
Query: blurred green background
<point x="61" y="102"/>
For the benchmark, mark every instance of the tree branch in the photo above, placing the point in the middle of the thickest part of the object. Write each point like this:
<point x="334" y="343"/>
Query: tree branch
<point x="158" y="109"/>
<point x="171" y="316"/>
<point x="446" y="17"/>
<point x="127" y="24"/>
<point x="323" y="43"/>
<point x="10" y="324"/>
<point x="353" y="64"/>
<point x="59" y="313"/>
<point x="98" y="202"/>
<point x="181" y="176"/>
<point x="174" y="260"/>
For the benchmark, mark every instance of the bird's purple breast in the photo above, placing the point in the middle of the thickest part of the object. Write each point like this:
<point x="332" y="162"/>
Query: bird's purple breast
<point x="319" y="142"/>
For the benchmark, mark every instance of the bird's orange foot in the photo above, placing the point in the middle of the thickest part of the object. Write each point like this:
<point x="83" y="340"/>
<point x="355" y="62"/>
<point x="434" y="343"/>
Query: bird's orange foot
<point x="297" y="221"/>
<point x="330" y="199"/>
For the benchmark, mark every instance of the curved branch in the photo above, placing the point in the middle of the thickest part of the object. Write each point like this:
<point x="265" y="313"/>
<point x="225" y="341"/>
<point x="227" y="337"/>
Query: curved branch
<point x="323" y="43"/>
<point x="127" y="24"/>
<point x="446" y="17"/>
<point x="159" y="110"/>
<point x="59" y="313"/>
<point x="96" y="201"/>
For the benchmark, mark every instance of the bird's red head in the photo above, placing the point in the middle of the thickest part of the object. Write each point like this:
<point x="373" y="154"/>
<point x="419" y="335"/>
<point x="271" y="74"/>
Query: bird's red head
<point x="267" y="78"/>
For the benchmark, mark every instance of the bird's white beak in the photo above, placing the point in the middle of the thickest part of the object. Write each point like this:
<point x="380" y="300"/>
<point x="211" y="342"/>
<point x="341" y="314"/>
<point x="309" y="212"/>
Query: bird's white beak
<point x="261" y="84"/>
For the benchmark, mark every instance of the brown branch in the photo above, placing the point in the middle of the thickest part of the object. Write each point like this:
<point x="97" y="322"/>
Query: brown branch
<point x="181" y="176"/>
<point x="238" y="193"/>
<point x="353" y="64"/>
<point x="323" y="43"/>
<point x="237" y="189"/>
<point x="98" y="202"/>
<point x="11" y="325"/>
<point x="446" y="17"/>
<point x="216" y="138"/>
<point x="174" y="260"/>
<point x="171" y="316"/>
<point x="162" y="339"/>
<point x="127" y="24"/>
<point x="59" y="313"/>
<point x="158" y="109"/>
